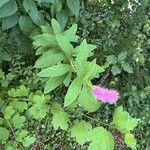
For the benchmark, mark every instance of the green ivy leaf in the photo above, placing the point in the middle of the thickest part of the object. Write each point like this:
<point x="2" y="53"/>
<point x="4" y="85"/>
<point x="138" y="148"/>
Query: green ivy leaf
<point x="18" y="121"/>
<point x="73" y="91"/>
<point x="123" y="121"/>
<point x="4" y="134"/>
<point x="74" y="6"/>
<point x="80" y="131"/>
<point x="101" y="139"/>
<point x="130" y="140"/>
<point x="60" y="119"/>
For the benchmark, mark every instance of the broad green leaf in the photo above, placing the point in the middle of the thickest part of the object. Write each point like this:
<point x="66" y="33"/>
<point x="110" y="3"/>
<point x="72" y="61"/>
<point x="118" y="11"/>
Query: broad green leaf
<point x="111" y="59"/>
<point x="122" y="56"/>
<point x="115" y="70"/>
<point x="126" y="67"/>
<point x="68" y="79"/>
<point x="74" y="6"/>
<point x="4" y="134"/>
<point x="73" y="91"/>
<point x="130" y="141"/>
<point x="56" y="27"/>
<point x="18" y="121"/>
<point x="9" y="22"/>
<point x="31" y="9"/>
<point x="28" y="141"/>
<point x="60" y="119"/>
<point x="101" y="139"/>
<point x="70" y="34"/>
<point x="62" y="18"/>
<point x="123" y="121"/>
<point x="56" y="70"/>
<point x="8" y="9"/>
<point x="25" y="24"/>
<point x="80" y="131"/>
<point x="65" y="45"/>
<point x="53" y="83"/>
<point x="45" y="40"/>
<point x="49" y="60"/>
<point x="2" y="2"/>
<point x="87" y="100"/>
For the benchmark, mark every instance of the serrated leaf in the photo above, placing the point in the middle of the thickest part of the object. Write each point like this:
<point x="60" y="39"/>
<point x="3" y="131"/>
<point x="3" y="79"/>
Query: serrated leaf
<point x="123" y="121"/>
<point x="74" y="6"/>
<point x="8" y="9"/>
<point x="65" y="45"/>
<point x="28" y="141"/>
<point x="25" y="24"/>
<point x="9" y="22"/>
<point x="80" y="131"/>
<point x="115" y="70"/>
<point x="56" y="27"/>
<point x="73" y="91"/>
<point x="49" y="60"/>
<point x="126" y="67"/>
<point x="4" y="134"/>
<point x="122" y="56"/>
<point x="60" y="119"/>
<point x="70" y="34"/>
<point x="87" y="100"/>
<point x="56" y="70"/>
<point x="111" y="59"/>
<point x="53" y="83"/>
<point x="8" y="112"/>
<point x="101" y="139"/>
<point x="130" y="140"/>
<point x="18" y="121"/>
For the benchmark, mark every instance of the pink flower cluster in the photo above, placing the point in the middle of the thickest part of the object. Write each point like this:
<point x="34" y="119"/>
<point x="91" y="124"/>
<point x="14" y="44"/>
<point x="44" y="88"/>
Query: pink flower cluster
<point x="105" y="95"/>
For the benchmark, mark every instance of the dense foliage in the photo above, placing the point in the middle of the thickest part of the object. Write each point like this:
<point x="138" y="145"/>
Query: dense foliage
<point x="52" y="53"/>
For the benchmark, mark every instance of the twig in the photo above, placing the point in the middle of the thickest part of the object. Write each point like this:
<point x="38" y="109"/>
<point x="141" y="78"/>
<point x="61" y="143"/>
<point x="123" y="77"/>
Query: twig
<point x="104" y="78"/>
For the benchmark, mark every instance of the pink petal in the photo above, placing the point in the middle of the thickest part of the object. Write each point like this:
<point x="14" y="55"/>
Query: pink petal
<point x="105" y="95"/>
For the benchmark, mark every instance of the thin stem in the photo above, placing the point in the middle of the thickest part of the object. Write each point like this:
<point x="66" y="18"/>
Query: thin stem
<point x="72" y="65"/>
<point x="96" y="120"/>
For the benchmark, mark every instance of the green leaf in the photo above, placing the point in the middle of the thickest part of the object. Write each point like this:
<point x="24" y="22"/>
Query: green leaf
<point x="62" y="18"/>
<point x="65" y="45"/>
<point x="56" y="70"/>
<point x="115" y="70"/>
<point x="101" y="139"/>
<point x="8" y="9"/>
<point x="70" y="34"/>
<point x="68" y="79"/>
<point x="80" y="131"/>
<point x="53" y="83"/>
<point x="31" y="9"/>
<point x="56" y="27"/>
<point x="25" y="24"/>
<point x="126" y="67"/>
<point x="111" y="59"/>
<point x="123" y="121"/>
<point x="9" y="22"/>
<point x="130" y="140"/>
<point x="2" y="2"/>
<point x="87" y="100"/>
<point x="73" y="91"/>
<point x="122" y="56"/>
<point x="60" y="118"/>
<point x="28" y="141"/>
<point x="18" y="121"/>
<point x="74" y="6"/>
<point x="8" y="112"/>
<point x="4" y="134"/>
<point x="49" y="60"/>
